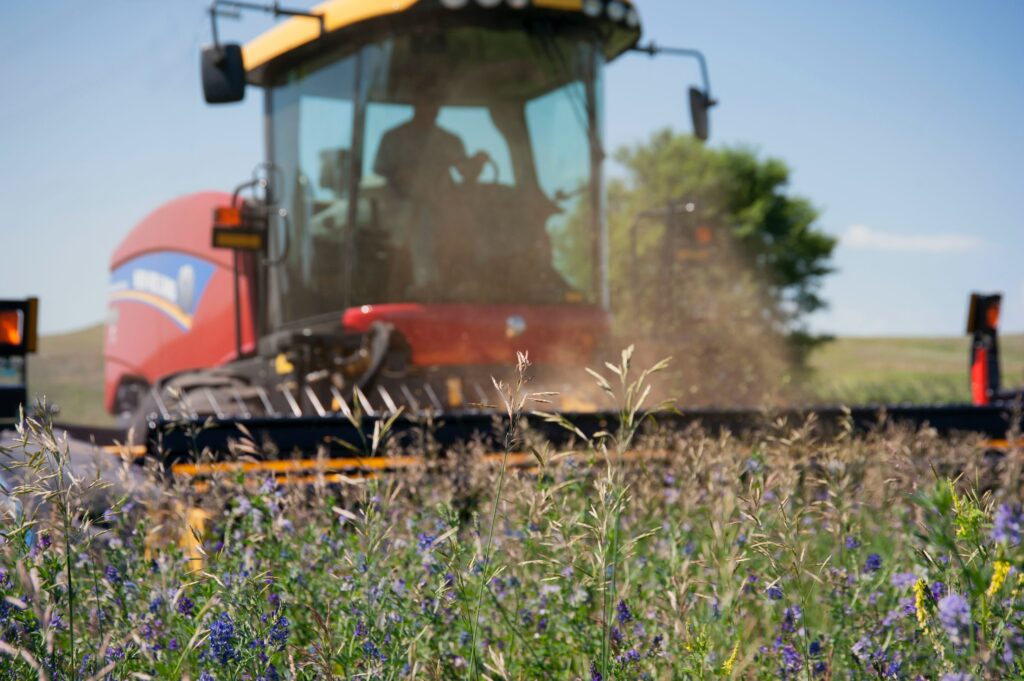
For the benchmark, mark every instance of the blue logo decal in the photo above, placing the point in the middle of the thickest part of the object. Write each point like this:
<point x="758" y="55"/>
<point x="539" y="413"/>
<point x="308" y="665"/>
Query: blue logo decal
<point x="171" y="282"/>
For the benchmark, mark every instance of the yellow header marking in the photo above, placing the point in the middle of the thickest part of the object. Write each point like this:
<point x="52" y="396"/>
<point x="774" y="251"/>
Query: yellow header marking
<point x="379" y="463"/>
<point x="133" y="452"/>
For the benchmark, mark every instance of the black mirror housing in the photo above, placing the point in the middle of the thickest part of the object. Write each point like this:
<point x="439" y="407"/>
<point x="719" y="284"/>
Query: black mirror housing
<point x="700" y="103"/>
<point x="223" y="73"/>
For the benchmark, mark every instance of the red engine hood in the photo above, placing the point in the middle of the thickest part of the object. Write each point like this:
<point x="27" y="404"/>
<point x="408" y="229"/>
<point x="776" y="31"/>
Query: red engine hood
<point x="444" y="335"/>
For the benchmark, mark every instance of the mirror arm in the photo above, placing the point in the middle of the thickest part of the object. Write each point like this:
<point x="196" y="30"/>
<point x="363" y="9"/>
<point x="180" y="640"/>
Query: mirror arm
<point x="233" y="9"/>
<point x="654" y="50"/>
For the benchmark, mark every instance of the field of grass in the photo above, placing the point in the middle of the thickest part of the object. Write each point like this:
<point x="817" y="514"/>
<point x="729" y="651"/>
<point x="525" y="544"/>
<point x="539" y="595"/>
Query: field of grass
<point x="893" y="370"/>
<point x="69" y="371"/>
<point x="893" y="555"/>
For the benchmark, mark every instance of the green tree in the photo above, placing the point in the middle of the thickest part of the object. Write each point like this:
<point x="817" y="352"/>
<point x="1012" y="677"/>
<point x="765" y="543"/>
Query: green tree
<point x="771" y="236"/>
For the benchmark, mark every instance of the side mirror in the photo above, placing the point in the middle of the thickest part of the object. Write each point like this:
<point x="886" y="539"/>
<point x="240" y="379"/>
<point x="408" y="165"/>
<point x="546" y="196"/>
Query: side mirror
<point x="223" y="73"/>
<point x="700" y="103"/>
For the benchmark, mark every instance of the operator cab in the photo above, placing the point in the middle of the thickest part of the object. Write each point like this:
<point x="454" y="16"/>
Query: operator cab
<point x="400" y="185"/>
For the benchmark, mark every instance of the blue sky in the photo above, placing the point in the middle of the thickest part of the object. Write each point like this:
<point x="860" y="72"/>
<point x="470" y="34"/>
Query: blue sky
<point x="901" y="120"/>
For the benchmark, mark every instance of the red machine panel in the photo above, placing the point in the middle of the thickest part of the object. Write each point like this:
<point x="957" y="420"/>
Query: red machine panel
<point x="172" y="297"/>
<point x="446" y="335"/>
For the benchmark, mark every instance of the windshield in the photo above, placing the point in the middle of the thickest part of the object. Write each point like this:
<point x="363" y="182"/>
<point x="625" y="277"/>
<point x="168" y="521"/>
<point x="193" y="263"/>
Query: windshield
<point x="454" y="166"/>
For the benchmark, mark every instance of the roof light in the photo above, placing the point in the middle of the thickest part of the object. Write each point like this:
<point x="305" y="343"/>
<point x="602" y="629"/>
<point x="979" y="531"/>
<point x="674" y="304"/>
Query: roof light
<point x="488" y="3"/>
<point x="633" y="18"/>
<point x="592" y="8"/>
<point x="616" y="11"/>
<point x="454" y="4"/>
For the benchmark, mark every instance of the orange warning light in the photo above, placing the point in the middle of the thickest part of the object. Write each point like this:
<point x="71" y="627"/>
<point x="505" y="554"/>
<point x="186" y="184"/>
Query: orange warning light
<point x="992" y="316"/>
<point x="704" y="235"/>
<point x="227" y="216"/>
<point x="10" y="327"/>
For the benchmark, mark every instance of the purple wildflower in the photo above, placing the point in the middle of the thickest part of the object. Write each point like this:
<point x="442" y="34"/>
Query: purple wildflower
<point x="903" y="580"/>
<point x="112" y="574"/>
<point x="1013" y="642"/>
<point x="616" y="636"/>
<point x="623" y="613"/>
<point x="957" y="676"/>
<point x="938" y="590"/>
<point x="862" y="649"/>
<point x="371" y="651"/>
<point x="1007" y="525"/>
<point x="629" y="657"/>
<point x="185" y="606"/>
<point x="792" y="661"/>
<point x="955" y="617"/>
<point x="424" y="541"/>
<point x="595" y="674"/>
<point x="207" y="676"/>
<point x="222" y="638"/>
<point x="775" y="592"/>
<point x="279" y="632"/>
<point x="791" y="617"/>
<point x="852" y="543"/>
<point x="873" y="563"/>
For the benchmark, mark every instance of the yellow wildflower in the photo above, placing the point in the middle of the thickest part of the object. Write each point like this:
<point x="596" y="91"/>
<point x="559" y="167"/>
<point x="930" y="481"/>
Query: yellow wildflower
<point x="999" y="574"/>
<point x="727" y="665"/>
<point x="921" y="603"/>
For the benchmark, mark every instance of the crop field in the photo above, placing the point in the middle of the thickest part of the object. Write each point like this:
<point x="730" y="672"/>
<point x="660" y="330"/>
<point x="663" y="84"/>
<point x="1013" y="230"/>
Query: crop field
<point x="894" y="370"/>
<point x="783" y="554"/>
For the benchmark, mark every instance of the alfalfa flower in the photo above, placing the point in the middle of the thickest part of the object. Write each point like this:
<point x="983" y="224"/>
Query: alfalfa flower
<point x="955" y="617"/>
<point x="1008" y="524"/>
<point x="999" y="574"/>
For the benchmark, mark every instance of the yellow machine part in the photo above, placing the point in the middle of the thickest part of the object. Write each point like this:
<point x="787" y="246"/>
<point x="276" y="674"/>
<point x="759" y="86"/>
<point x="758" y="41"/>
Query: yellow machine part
<point x="339" y="14"/>
<point x="298" y="31"/>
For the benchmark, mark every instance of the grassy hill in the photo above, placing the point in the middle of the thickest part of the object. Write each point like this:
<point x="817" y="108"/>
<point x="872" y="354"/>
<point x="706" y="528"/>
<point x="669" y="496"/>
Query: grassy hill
<point x="890" y="370"/>
<point x="69" y="371"/>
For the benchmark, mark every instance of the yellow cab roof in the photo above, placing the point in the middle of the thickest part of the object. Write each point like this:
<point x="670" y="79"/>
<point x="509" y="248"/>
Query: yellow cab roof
<point x="338" y="14"/>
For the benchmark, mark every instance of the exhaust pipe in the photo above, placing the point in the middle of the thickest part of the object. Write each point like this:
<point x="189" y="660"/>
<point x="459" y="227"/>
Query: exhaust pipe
<point x="983" y="324"/>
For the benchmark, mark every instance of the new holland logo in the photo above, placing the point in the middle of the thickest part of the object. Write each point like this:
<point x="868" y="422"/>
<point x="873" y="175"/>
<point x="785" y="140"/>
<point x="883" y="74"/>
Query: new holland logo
<point x="515" y="326"/>
<point x="172" y="283"/>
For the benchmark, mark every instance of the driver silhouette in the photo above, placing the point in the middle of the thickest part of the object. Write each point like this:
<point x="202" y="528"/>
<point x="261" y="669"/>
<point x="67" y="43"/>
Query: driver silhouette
<point x="416" y="157"/>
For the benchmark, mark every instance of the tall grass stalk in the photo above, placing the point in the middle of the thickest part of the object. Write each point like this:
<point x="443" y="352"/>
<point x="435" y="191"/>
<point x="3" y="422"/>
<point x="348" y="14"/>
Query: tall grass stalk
<point x="630" y="397"/>
<point x="514" y="398"/>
